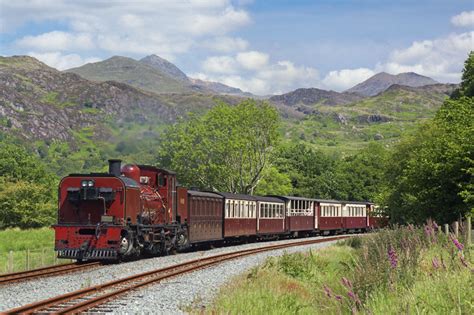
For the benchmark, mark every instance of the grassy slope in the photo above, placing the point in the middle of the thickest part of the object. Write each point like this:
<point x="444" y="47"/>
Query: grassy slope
<point x="403" y="110"/>
<point x="311" y="283"/>
<point x="39" y="243"/>
<point x="132" y="72"/>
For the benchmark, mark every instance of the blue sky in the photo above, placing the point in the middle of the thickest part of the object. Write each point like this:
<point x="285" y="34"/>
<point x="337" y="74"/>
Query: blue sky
<point x="260" y="46"/>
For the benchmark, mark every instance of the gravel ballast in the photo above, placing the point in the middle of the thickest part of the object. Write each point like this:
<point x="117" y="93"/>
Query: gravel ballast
<point x="167" y="297"/>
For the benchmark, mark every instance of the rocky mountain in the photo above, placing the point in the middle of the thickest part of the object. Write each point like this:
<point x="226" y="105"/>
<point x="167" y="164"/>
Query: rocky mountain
<point x="131" y="72"/>
<point x="166" y="67"/>
<point x="217" y="87"/>
<point x="303" y="99"/>
<point x="151" y="73"/>
<point x="382" y="81"/>
<point x="39" y="102"/>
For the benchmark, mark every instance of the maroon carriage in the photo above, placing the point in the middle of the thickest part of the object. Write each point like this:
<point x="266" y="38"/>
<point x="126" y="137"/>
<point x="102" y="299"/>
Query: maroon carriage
<point x="202" y="214"/>
<point x="354" y="215"/>
<point x="240" y="215"/>
<point x="377" y="218"/>
<point x="270" y="216"/>
<point x="328" y="216"/>
<point x="299" y="214"/>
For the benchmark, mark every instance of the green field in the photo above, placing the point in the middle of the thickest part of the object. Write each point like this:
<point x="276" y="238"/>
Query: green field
<point x="400" y="271"/>
<point x="26" y="249"/>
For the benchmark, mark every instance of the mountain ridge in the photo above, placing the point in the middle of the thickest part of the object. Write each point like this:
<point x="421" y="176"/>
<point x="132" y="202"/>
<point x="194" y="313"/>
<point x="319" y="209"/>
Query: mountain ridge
<point x="383" y="80"/>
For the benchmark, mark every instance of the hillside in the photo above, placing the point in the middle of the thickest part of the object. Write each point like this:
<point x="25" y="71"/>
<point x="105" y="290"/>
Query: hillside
<point x="151" y="73"/>
<point x="42" y="106"/>
<point x="382" y="81"/>
<point x="132" y="72"/>
<point x="385" y="117"/>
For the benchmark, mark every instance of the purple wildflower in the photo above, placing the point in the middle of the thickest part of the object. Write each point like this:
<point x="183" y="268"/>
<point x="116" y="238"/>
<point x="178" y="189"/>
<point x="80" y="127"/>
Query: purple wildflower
<point x="435" y="226"/>
<point x="328" y="291"/>
<point x="347" y="283"/>
<point x="392" y="256"/>
<point x="456" y="242"/>
<point x="354" y="297"/>
<point x="338" y="297"/>
<point x="435" y="262"/>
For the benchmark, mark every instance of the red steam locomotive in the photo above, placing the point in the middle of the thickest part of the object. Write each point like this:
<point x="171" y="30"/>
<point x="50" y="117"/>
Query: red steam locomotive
<point x="138" y="210"/>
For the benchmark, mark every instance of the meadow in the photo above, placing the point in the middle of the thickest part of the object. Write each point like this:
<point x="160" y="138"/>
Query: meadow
<point x="405" y="270"/>
<point x="27" y="249"/>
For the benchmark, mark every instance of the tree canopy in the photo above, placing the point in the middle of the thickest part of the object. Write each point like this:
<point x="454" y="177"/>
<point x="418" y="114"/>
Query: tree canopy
<point x="27" y="190"/>
<point x="226" y="149"/>
<point x="430" y="174"/>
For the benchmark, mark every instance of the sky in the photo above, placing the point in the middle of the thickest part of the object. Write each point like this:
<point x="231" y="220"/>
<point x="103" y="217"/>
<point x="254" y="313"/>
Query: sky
<point x="264" y="47"/>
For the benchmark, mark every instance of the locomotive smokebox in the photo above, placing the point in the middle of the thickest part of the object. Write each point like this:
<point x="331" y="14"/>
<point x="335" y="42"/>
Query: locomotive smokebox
<point x="114" y="167"/>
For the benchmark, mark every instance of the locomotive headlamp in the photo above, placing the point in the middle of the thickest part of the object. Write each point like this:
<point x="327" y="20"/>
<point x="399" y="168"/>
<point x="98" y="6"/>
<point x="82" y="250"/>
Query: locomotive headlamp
<point x="87" y="183"/>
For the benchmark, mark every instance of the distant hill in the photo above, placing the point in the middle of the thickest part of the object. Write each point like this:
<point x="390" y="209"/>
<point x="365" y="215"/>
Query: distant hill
<point x="40" y="102"/>
<point x="151" y="73"/>
<point x="165" y="66"/>
<point x="132" y="72"/>
<point x="313" y="96"/>
<point x="382" y="81"/>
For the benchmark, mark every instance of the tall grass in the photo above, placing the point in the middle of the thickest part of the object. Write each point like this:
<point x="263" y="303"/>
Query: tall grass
<point x="26" y="249"/>
<point x="409" y="270"/>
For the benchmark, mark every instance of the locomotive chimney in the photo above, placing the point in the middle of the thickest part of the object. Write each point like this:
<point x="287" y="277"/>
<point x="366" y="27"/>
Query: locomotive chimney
<point x="114" y="167"/>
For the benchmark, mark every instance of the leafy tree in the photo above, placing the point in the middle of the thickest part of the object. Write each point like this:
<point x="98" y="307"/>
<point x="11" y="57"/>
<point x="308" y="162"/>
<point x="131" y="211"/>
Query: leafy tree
<point x="467" y="83"/>
<point x="362" y="175"/>
<point x="227" y="149"/>
<point x="274" y="183"/>
<point x="27" y="190"/>
<point x="312" y="173"/>
<point x="430" y="174"/>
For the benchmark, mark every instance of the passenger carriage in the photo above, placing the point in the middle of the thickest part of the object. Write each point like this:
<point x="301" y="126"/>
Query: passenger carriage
<point x="270" y="215"/>
<point x="329" y="216"/>
<point x="202" y="213"/>
<point x="299" y="214"/>
<point x="240" y="215"/>
<point x="355" y="216"/>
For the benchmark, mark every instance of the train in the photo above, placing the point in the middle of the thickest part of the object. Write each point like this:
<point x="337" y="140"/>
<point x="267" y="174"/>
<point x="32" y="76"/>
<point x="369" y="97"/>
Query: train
<point x="139" y="210"/>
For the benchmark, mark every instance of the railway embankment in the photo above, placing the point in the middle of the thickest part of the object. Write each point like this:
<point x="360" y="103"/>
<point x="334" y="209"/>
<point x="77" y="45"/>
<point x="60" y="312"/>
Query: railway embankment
<point x="410" y="270"/>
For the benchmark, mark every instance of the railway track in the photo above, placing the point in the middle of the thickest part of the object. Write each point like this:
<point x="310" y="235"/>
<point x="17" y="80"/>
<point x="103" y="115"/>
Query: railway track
<point x="92" y="299"/>
<point x="43" y="272"/>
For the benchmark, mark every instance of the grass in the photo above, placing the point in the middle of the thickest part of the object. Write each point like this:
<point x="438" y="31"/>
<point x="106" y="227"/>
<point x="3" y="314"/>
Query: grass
<point x="16" y="243"/>
<point x="405" y="270"/>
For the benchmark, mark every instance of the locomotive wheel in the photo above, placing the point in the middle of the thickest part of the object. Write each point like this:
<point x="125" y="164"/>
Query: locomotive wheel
<point x="126" y="246"/>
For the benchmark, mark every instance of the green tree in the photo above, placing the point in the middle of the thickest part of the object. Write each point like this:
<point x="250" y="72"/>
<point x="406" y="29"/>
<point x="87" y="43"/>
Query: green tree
<point x="430" y="174"/>
<point x="312" y="172"/>
<point x="27" y="190"/>
<point x="361" y="175"/>
<point x="274" y="183"/>
<point x="467" y="83"/>
<point x="227" y="149"/>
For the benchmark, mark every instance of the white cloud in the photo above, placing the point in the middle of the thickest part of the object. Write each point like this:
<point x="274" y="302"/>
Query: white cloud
<point x="346" y="78"/>
<point x="253" y="73"/>
<point x="60" y="61"/>
<point x="128" y="27"/>
<point x="226" y="44"/>
<point x="463" y="19"/>
<point x="252" y="60"/>
<point x="220" y="64"/>
<point x="57" y="40"/>
<point x="440" y="58"/>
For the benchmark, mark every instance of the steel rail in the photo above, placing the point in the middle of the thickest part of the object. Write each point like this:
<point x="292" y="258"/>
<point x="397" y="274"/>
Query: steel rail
<point x="45" y="271"/>
<point x="94" y="296"/>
